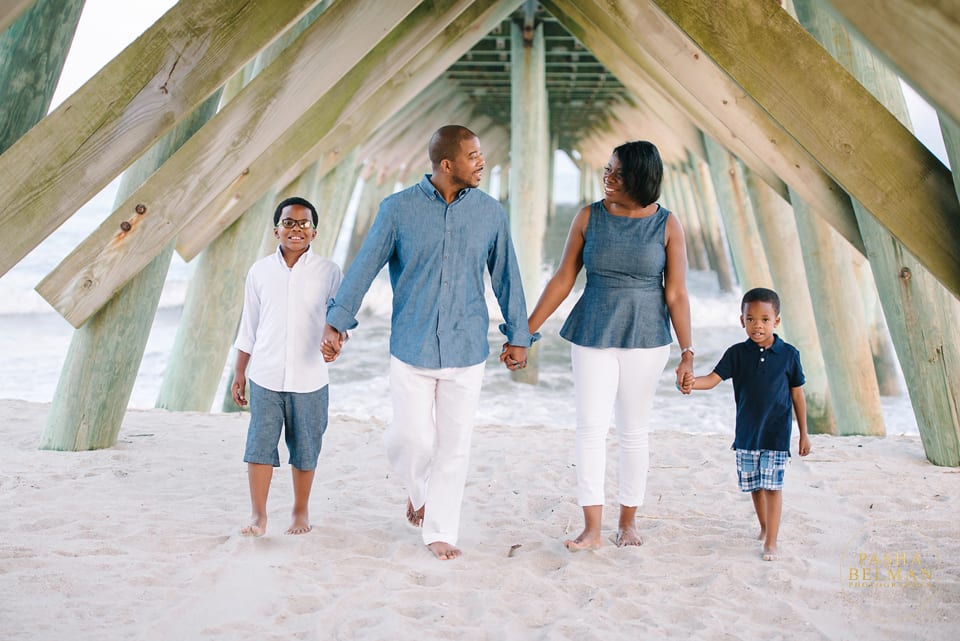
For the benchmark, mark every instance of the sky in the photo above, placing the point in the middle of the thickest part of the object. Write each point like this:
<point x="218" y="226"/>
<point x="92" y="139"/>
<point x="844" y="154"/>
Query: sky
<point x="107" y="26"/>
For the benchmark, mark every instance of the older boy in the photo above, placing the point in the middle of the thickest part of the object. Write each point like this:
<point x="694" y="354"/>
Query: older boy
<point x="284" y="310"/>
<point x="767" y="383"/>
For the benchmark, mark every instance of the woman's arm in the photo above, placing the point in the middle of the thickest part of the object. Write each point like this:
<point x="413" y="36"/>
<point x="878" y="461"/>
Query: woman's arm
<point x="561" y="283"/>
<point x="675" y="292"/>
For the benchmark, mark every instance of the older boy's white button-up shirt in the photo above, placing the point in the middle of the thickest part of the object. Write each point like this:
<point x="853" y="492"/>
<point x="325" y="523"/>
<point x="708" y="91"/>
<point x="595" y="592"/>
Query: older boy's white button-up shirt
<point x="284" y="313"/>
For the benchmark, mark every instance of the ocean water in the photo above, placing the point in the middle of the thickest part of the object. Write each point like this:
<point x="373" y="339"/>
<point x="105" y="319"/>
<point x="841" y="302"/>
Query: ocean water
<point x="34" y="340"/>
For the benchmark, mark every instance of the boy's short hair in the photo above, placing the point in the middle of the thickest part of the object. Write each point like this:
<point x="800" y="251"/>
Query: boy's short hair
<point x="761" y="295"/>
<point x="295" y="200"/>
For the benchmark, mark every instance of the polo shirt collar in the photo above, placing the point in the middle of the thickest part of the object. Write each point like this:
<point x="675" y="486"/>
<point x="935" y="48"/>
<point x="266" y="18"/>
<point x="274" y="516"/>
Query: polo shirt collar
<point x="775" y="347"/>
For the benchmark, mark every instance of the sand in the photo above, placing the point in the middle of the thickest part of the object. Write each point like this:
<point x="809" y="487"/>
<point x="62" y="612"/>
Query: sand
<point x="141" y="541"/>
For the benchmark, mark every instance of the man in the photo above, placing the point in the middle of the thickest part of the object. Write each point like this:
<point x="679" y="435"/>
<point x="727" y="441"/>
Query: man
<point x="437" y="237"/>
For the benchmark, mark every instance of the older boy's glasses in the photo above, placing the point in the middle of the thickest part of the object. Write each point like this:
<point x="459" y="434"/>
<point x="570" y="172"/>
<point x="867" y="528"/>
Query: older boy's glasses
<point x="290" y="223"/>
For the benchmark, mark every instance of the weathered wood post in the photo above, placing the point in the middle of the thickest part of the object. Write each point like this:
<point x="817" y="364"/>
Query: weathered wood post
<point x="528" y="155"/>
<point x="739" y="221"/>
<point x="105" y="352"/>
<point x="921" y="314"/>
<point x="779" y="234"/>
<point x="841" y="324"/>
<point x="951" y="141"/>
<point x="32" y="52"/>
<point x="706" y="198"/>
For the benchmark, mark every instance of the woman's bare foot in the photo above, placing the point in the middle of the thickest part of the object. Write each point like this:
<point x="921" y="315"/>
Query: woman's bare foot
<point x="584" y="542"/>
<point x="627" y="537"/>
<point x="257" y="527"/>
<point x="769" y="553"/>
<point x="763" y="534"/>
<point x="414" y="517"/>
<point x="444" y="551"/>
<point x="300" y="524"/>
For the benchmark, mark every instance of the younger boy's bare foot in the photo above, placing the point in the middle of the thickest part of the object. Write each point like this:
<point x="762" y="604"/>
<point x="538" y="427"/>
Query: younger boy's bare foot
<point x="584" y="542"/>
<point x="444" y="551"/>
<point x="627" y="537"/>
<point x="414" y="517"/>
<point x="769" y="553"/>
<point x="257" y="527"/>
<point x="300" y="524"/>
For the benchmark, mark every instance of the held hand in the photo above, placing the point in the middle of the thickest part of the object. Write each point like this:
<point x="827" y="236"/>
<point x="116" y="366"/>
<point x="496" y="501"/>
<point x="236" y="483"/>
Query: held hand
<point x="686" y="385"/>
<point x="684" y="371"/>
<point x="332" y="343"/>
<point x="804" y="448"/>
<point x="513" y="356"/>
<point x="238" y="390"/>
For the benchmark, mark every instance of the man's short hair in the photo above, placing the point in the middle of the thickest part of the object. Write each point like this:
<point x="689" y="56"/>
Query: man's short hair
<point x="445" y="142"/>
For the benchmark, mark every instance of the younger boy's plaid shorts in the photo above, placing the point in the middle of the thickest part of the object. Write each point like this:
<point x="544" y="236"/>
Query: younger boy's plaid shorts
<point x="761" y="469"/>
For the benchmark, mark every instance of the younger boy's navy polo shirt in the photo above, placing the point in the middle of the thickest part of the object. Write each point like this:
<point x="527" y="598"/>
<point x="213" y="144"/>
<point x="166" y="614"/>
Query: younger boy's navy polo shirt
<point x="762" y="379"/>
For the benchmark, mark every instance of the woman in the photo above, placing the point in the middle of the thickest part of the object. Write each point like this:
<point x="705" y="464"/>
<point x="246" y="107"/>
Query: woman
<point x="635" y="257"/>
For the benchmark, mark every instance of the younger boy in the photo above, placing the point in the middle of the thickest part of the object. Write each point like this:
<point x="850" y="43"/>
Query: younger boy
<point x="284" y="313"/>
<point x="767" y="382"/>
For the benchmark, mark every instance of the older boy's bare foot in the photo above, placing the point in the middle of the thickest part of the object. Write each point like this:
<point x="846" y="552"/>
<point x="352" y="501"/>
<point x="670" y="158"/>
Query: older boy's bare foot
<point x="414" y="517"/>
<point x="584" y="542"/>
<point x="300" y="525"/>
<point x="627" y="537"/>
<point x="257" y="527"/>
<point x="769" y="553"/>
<point x="444" y="551"/>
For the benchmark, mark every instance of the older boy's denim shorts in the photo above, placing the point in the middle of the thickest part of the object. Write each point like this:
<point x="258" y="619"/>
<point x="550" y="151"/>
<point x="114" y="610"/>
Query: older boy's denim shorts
<point x="761" y="469"/>
<point x="301" y="416"/>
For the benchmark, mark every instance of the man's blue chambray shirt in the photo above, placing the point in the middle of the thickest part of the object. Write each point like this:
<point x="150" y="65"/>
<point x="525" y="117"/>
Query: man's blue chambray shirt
<point x="437" y="253"/>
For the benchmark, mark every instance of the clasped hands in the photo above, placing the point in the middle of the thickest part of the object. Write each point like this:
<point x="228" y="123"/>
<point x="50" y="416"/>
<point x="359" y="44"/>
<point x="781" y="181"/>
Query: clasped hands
<point x="332" y="343"/>
<point x="513" y="356"/>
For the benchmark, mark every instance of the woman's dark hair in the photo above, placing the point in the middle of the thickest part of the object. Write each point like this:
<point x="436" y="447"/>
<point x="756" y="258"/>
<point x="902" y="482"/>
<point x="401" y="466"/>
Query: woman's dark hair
<point x="641" y="169"/>
<point x="295" y="200"/>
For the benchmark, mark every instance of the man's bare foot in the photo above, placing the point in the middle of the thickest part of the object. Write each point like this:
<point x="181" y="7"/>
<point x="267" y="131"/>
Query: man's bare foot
<point x="584" y="542"/>
<point x="769" y="553"/>
<point x="627" y="536"/>
<point x="444" y="551"/>
<point x="257" y="527"/>
<point x="300" y="524"/>
<point x="414" y="517"/>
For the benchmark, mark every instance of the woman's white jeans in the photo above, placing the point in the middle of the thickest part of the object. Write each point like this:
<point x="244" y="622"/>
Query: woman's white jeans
<point x="623" y="380"/>
<point x="428" y="440"/>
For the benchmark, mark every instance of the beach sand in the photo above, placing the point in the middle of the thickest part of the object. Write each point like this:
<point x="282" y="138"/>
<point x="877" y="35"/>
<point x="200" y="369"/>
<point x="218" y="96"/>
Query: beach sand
<point x="141" y="541"/>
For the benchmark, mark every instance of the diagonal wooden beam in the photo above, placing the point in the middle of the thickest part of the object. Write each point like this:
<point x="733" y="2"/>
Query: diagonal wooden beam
<point x="919" y="38"/>
<point x="73" y="153"/>
<point x="715" y="103"/>
<point x="350" y="113"/>
<point x="826" y="110"/>
<point x="10" y="10"/>
<point x="209" y="160"/>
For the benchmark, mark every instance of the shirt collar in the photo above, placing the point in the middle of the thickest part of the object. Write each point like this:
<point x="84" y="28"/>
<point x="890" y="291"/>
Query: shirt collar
<point x="774" y="347"/>
<point x="432" y="191"/>
<point x="304" y="257"/>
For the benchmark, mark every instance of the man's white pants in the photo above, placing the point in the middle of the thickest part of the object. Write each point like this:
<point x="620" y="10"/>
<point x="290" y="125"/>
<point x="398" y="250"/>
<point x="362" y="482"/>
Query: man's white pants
<point x="624" y="380"/>
<point x="428" y="441"/>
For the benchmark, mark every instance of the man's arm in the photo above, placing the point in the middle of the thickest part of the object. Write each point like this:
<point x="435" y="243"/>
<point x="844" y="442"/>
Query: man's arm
<point x="508" y="288"/>
<point x="376" y="250"/>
